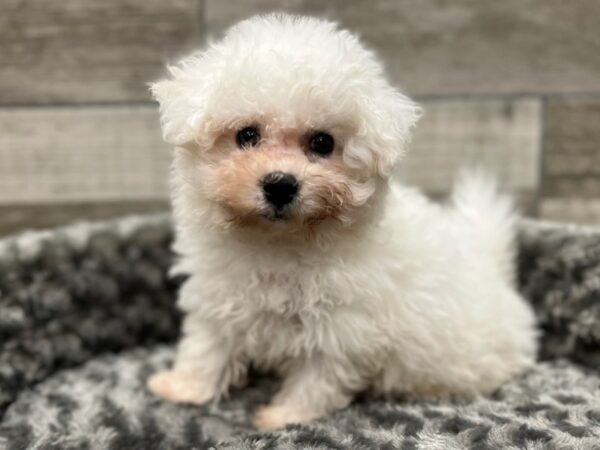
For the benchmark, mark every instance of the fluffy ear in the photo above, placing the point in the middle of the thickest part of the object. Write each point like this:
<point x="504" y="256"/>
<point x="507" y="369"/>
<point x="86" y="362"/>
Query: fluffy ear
<point x="386" y="131"/>
<point x="181" y="106"/>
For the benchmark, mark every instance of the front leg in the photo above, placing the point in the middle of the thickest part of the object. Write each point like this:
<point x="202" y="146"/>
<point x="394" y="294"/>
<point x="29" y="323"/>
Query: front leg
<point x="202" y="365"/>
<point x="311" y="390"/>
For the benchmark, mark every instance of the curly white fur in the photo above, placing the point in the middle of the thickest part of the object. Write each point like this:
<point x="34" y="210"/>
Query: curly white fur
<point x="367" y="285"/>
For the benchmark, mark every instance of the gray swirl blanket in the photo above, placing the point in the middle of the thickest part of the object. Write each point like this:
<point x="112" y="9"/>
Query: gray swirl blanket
<point x="87" y="313"/>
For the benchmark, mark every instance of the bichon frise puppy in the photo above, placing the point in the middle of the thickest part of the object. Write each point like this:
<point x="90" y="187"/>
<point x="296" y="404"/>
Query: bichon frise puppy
<point x="301" y="255"/>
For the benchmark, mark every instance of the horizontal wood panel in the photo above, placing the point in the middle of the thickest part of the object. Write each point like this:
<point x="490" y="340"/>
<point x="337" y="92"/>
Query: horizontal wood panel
<point x="500" y="136"/>
<point x="572" y="148"/>
<point x="17" y="218"/>
<point x="73" y="51"/>
<point x="81" y="154"/>
<point x="100" y="154"/>
<point x="571" y="210"/>
<point x="433" y="47"/>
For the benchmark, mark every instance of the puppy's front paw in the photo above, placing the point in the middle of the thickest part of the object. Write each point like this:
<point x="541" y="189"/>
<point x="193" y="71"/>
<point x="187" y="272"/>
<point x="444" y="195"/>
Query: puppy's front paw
<point x="272" y="417"/>
<point x="180" y="387"/>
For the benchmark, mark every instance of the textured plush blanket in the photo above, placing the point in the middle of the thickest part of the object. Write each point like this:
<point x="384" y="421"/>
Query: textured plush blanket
<point x="87" y="313"/>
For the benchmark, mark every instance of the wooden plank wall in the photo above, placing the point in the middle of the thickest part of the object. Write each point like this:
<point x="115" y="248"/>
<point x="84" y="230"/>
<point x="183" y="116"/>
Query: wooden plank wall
<point x="512" y="86"/>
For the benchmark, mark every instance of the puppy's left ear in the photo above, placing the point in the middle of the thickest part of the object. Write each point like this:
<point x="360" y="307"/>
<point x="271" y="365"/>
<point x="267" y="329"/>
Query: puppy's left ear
<point x="386" y="130"/>
<point x="181" y="106"/>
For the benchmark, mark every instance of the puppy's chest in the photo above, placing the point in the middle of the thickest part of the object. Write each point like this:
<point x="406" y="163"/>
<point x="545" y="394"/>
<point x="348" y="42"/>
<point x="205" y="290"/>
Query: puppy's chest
<point x="280" y="294"/>
<point x="280" y="315"/>
<point x="270" y="338"/>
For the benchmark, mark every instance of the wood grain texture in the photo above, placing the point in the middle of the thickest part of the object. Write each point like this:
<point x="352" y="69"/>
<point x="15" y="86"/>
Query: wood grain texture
<point x="81" y="154"/>
<point x="501" y="136"/>
<point x="572" y="148"/>
<point x="116" y="153"/>
<point x="73" y="51"/>
<point x="17" y="218"/>
<point x="571" y="210"/>
<point x="434" y="47"/>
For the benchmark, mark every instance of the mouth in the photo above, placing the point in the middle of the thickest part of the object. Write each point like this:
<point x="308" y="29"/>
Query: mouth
<point x="276" y="215"/>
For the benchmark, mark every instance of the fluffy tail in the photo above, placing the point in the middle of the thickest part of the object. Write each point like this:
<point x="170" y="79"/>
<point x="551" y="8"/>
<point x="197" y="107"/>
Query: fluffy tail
<point x="492" y="216"/>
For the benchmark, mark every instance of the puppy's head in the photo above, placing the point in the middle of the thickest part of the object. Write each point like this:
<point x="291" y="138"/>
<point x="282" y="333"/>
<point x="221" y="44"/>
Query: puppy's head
<point x="287" y="123"/>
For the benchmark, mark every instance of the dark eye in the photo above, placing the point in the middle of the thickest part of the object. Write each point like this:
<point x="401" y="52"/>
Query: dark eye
<point x="322" y="143"/>
<point x="247" y="137"/>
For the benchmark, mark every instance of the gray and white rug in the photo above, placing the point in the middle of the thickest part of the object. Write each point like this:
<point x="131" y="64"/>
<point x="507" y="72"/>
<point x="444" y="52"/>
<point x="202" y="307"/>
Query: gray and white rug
<point x="87" y="313"/>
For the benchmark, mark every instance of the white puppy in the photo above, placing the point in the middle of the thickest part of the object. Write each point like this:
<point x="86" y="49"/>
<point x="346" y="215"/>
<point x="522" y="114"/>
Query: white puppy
<point x="302" y="257"/>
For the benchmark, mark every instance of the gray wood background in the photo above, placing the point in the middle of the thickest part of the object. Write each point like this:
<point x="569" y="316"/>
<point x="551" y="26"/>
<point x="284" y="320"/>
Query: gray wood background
<point x="513" y="86"/>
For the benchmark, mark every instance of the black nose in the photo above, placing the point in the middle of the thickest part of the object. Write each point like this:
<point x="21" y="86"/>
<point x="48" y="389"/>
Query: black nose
<point x="280" y="188"/>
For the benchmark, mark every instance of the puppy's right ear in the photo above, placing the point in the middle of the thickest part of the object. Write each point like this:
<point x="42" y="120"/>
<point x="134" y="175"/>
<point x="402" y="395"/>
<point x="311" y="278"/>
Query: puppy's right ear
<point x="181" y="106"/>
